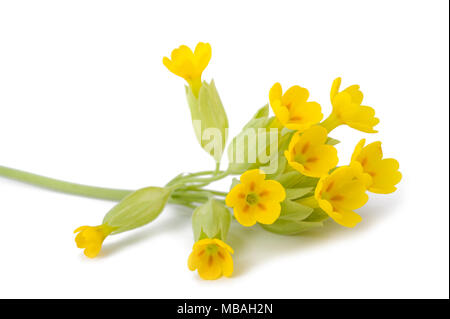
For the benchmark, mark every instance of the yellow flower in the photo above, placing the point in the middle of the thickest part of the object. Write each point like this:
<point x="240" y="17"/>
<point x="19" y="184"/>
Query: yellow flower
<point x="91" y="238"/>
<point x="212" y="259"/>
<point x="341" y="192"/>
<point x="292" y="108"/>
<point x="190" y="65"/>
<point x="384" y="172"/>
<point x="347" y="109"/>
<point x="256" y="199"/>
<point x="308" y="153"/>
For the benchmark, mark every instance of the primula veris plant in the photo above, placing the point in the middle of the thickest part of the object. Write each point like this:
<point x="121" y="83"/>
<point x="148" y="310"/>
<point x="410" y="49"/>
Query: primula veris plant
<point x="287" y="179"/>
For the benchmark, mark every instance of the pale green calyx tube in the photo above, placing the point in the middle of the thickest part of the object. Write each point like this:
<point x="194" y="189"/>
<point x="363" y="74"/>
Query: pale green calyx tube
<point x="137" y="209"/>
<point x="211" y="220"/>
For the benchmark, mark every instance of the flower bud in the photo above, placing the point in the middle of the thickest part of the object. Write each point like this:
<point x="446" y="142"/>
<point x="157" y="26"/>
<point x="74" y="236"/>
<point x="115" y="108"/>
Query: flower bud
<point x="137" y="209"/>
<point x="211" y="220"/>
<point x="208" y="118"/>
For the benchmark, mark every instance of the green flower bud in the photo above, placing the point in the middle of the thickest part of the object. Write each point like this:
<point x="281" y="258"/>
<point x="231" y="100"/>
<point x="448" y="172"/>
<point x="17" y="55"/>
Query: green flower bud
<point x="137" y="209"/>
<point x="209" y="119"/>
<point x="211" y="220"/>
<point x="256" y="145"/>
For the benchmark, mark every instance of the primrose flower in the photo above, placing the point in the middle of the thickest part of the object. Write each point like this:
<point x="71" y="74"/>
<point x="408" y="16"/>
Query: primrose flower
<point x="292" y="108"/>
<point x="341" y="192"/>
<point x="190" y="65"/>
<point x="308" y="153"/>
<point x="347" y="109"/>
<point x="256" y="199"/>
<point x="384" y="172"/>
<point x="212" y="259"/>
<point x="91" y="238"/>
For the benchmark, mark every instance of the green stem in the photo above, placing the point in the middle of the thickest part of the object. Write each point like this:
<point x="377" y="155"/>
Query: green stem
<point x="331" y="122"/>
<point x="206" y="181"/>
<point x="181" y="197"/>
<point x="63" y="186"/>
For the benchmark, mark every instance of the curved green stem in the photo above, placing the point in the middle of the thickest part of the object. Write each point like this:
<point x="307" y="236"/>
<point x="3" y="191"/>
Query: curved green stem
<point x="184" y="196"/>
<point x="206" y="181"/>
<point x="63" y="186"/>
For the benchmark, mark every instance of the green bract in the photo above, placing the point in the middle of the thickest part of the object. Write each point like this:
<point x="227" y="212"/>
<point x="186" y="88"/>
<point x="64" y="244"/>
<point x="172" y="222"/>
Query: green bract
<point x="209" y="119"/>
<point x="211" y="220"/>
<point x="137" y="209"/>
<point x="253" y="146"/>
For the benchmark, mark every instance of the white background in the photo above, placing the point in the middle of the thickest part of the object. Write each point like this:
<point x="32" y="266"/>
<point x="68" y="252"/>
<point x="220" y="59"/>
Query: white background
<point x="85" y="97"/>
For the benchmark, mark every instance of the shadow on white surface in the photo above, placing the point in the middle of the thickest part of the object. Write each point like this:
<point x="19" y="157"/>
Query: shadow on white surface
<point x="255" y="246"/>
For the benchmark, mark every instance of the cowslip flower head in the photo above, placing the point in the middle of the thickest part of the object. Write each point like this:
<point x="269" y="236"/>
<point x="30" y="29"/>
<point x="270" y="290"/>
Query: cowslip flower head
<point x="91" y="238"/>
<point x="256" y="199"/>
<point x="308" y="153"/>
<point x="292" y="108"/>
<point x="347" y="109"/>
<point x="343" y="191"/>
<point x="212" y="259"/>
<point x="189" y="65"/>
<point x="384" y="172"/>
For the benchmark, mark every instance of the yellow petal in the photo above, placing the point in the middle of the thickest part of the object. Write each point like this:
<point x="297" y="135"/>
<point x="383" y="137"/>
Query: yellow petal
<point x="386" y="176"/>
<point x="272" y="191"/>
<point x="93" y="250"/>
<point x="356" y="94"/>
<point x="192" y="261"/>
<point x="275" y="92"/>
<point x="203" y="55"/>
<point x="346" y="218"/>
<point x="349" y="196"/>
<point x="244" y="215"/>
<point x="210" y="268"/>
<point x="236" y="195"/>
<point x="358" y="149"/>
<point x="227" y="265"/>
<point x="295" y="95"/>
<point x="320" y="161"/>
<point x="335" y="88"/>
<point x="255" y="176"/>
<point x="223" y="245"/>
<point x="267" y="213"/>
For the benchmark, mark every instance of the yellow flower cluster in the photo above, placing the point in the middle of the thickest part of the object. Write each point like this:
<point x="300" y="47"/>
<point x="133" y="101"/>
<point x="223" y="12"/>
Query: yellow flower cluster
<point x="307" y="188"/>
<point x="339" y="191"/>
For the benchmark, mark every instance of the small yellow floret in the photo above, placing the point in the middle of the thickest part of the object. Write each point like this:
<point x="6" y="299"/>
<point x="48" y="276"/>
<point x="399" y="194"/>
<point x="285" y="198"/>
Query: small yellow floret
<point x="256" y="199"/>
<point x="212" y="259"/>
<point x="384" y="172"/>
<point x="292" y="108"/>
<point x="189" y="65"/>
<point x="343" y="191"/>
<point x="308" y="153"/>
<point x="91" y="238"/>
<point x="347" y="109"/>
